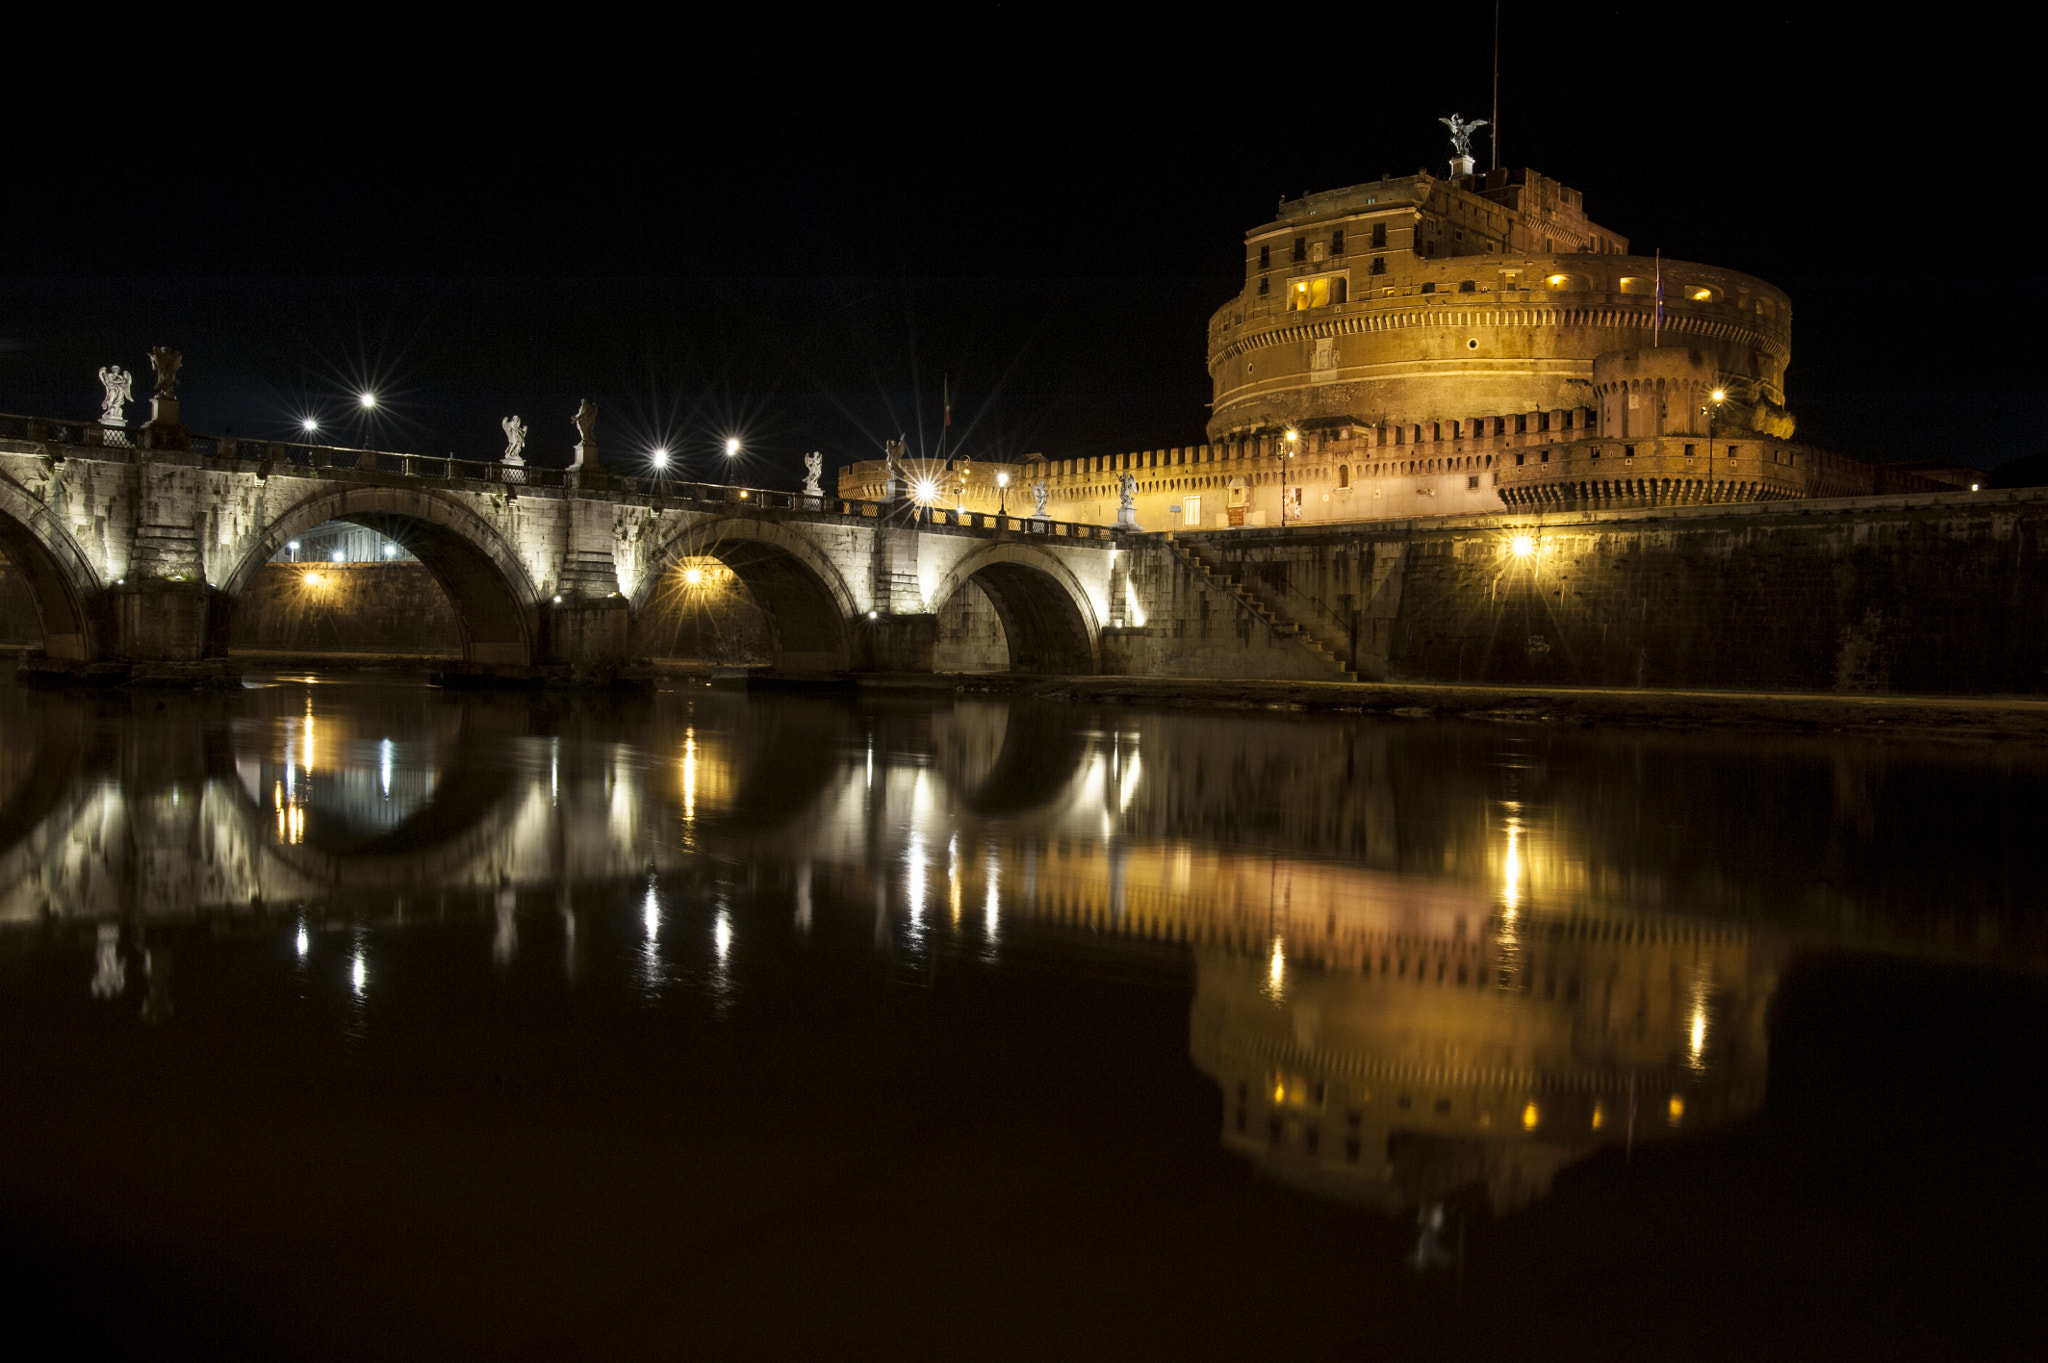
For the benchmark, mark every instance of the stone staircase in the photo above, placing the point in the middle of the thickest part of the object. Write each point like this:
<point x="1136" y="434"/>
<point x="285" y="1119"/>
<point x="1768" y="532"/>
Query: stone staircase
<point x="1226" y="583"/>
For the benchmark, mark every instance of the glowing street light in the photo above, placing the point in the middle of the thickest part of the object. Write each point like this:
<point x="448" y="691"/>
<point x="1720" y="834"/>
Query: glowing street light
<point x="367" y="401"/>
<point x="311" y="425"/>
<point x="1522" y="546"/>
<point x="732" y="446"/>
<point x="294" y="547"/>
<point x="927" y="490"/>
<point x="1002" y="494"/>
<point x="1716" y="398"/>
<point x="661" y="457"/>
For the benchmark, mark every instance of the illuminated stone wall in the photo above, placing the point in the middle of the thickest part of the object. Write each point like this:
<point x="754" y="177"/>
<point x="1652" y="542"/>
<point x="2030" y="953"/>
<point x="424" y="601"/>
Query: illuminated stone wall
<point x="381" y="608"/>
<point x="1943" y="593"/>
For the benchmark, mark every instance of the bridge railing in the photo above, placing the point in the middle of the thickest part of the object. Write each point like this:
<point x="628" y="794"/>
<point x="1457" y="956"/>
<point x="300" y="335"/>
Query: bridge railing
<point x="342" y="458"/>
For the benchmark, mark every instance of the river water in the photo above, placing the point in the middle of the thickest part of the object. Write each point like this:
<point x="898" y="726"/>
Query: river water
<point x="363" y="1019"/>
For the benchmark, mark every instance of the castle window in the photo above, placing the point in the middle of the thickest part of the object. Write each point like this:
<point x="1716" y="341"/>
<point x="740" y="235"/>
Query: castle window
<point x="1379" y="234"/>
<point x="1343" y="475"/>
<point x="1337" y="242"/>
<point x="1265" y="284"/>
<point x="1472" y="480"/>
<point x="1467" y="286"/>
<point x="1688" y="451"/>
<point x="1265" y="257"/>
<point x="1520" y="457"/>
<point x="1429" y="287"/>
<point x="1301" y="248"/>
<point x="1732" y="449"/>
<point x="1379" y="264"/>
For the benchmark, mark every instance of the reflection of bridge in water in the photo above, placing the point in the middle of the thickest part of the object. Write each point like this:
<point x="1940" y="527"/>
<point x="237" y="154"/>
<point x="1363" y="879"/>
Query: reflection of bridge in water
<point x="1424" y="958"/>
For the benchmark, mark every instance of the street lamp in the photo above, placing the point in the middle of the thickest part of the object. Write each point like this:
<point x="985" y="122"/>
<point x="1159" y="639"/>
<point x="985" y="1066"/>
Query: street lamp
<point x="732" y="446"/>
<point x="367" y="401"/>
<point x="1286" y="465"/>
<point x="660" y="458"/>
<point x="1002" y="494"/>
<point x="310" y="425"/>
<point x="1716" y="398"/>
<point x="294" y="547"/>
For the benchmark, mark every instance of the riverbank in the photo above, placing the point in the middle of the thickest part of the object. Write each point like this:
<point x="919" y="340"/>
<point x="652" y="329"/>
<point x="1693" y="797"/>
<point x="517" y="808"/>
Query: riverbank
<point x="1986" y="718"/>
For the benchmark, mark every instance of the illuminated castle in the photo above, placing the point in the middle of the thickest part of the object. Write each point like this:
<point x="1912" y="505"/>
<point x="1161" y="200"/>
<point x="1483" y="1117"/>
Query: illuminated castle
<point x="1426" y="345"/>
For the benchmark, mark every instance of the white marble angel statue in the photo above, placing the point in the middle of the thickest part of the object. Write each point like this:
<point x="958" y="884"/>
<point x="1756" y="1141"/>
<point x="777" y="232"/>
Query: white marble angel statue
<point x="1127" y="501"/>
<point x="120" y="386"/>
<point x="1040" y="494"/>
<point x="814" y="469"/>
<point x="515" y="439"/>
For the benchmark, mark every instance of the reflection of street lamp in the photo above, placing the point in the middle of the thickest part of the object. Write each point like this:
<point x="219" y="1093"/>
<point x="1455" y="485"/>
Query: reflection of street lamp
<point x="1716" y="398"/>
<point x="1002" y="494"/>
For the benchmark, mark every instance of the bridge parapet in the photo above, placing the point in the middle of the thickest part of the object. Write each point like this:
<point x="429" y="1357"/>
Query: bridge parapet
<point x="138" y="540"/>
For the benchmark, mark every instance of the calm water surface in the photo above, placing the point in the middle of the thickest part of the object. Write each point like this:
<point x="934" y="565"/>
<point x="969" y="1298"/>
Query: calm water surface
<point x="364" y="1020"/>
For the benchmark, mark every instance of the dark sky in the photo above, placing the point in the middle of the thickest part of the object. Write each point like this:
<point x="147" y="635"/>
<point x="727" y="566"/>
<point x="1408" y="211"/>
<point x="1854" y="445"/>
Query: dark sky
<point x="795" y="239"/>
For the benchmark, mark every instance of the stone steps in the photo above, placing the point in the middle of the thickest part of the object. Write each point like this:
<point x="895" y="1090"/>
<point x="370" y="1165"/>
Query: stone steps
<point x="1281" y="629"/>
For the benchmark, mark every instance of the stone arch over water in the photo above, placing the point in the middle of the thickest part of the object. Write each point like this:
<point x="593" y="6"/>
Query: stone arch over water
<point x="496" y="602"/>
<point x="60" y="579"/>
<point x="1049" y="622"/>
<point x="802" y="594"/>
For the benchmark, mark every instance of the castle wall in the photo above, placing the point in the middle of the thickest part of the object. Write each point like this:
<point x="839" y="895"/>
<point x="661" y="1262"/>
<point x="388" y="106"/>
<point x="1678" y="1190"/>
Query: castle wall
<point x="1936" y="593"/>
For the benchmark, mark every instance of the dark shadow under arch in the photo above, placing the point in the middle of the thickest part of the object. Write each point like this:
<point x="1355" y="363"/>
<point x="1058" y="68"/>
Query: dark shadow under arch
<point x="1044" y="630"/>
<point x="67" y="629"/>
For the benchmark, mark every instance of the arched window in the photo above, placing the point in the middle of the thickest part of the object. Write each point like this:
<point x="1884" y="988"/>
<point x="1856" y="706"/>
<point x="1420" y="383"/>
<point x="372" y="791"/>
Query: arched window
<point x="1343" y="475"/>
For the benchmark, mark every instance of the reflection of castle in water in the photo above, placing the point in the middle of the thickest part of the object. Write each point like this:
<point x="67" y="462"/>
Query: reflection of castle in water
<point x="1425" y="1064"/>
<point x="1416" y="969"/>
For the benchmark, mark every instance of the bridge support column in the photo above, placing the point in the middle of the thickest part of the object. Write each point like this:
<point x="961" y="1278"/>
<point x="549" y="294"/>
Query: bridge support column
<point x="166" y="622"/>
<point x="589" y="634"/>
<point x="901" y="643"/>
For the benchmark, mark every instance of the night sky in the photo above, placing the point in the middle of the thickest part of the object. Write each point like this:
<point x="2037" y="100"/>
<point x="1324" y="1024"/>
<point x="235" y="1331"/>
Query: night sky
<point x="795" y="240"/>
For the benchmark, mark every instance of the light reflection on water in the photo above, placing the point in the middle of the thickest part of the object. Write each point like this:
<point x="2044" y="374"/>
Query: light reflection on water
<point x="1428" y="962"/>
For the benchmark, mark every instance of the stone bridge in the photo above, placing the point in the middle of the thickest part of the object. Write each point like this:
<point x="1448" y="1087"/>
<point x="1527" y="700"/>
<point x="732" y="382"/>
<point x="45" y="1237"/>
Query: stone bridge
<point x="137" y="543"/>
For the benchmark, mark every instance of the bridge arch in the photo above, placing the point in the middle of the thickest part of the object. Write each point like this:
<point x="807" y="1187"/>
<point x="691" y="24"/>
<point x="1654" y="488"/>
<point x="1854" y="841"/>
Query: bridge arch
<point x="496" y="602"/>
<point x="1049" y="620"/>
<point x="790" y="576"/>
<point x="60" y="577"/>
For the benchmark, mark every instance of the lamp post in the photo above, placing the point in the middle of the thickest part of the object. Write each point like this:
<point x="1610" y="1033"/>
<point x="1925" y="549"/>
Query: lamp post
<point x="1286" y="467"/>
<point x="1716" y="398"/>
<point x="1002" y="494"/>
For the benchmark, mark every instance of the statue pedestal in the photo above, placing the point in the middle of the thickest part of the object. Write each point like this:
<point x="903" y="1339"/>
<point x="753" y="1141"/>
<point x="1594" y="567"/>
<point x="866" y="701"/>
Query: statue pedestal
<point x="1461" y="167"/>
<point x="1127" y="518"/>
<point x="163" y="431"/>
